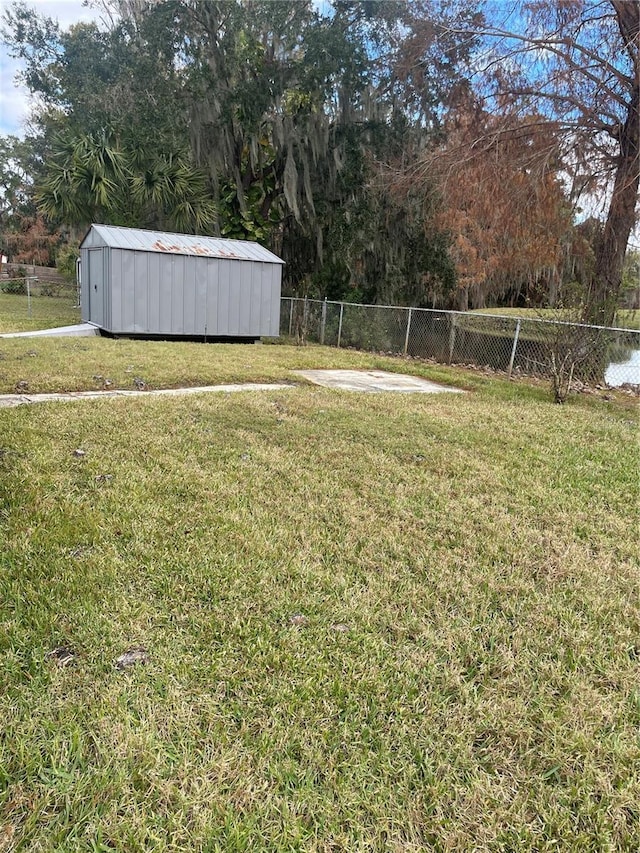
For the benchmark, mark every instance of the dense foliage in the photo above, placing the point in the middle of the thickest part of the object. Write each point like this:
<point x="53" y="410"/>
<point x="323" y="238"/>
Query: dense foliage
<point x="344" y="137"/>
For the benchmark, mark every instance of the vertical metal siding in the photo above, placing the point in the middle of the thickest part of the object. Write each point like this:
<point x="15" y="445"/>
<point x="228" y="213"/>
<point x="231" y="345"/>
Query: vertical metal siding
<point x="245" y="270"/>
<point x="106" y="268"/>
<point x="255" y="298"/>
<point x="203" y="283"/>
<point x="115" y="286"/>
<point x="264" y="301"/>
<point x="227" y="282"/>
<point x="177" y="295"/>
<point x="165" y="290"/>
<point x="276" y="275"/>
<point x="189" y="294"/>
<point x="222" y="297"/>
<point x="268" y="303"/>
<point x="153" y="288"/>
<point x="127" y="315"/>
<point x="84" y="285"/>
<point x="147" y="292"/>
<point x="210" y="296"/>
<point x="249" y="274"/>
<point x="165" y="285"/>
<point x="277" y="292"/>
<point x="141" y="300"/>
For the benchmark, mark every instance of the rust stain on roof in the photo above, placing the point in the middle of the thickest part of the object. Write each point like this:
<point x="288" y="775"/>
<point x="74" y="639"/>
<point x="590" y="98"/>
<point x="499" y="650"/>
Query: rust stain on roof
<point x="162" y="247"/>
<point x="195" y="249"/>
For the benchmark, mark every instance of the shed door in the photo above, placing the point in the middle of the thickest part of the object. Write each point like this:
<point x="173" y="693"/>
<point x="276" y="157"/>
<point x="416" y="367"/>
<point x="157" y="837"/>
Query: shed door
<point x="96" y="287"/>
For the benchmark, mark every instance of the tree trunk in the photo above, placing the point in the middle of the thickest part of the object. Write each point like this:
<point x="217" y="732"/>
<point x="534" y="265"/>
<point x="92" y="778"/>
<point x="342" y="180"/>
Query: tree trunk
<point x="621" y="216"/>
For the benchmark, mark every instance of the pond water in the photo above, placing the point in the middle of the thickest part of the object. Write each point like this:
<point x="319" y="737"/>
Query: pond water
<point x="620" y="372"/>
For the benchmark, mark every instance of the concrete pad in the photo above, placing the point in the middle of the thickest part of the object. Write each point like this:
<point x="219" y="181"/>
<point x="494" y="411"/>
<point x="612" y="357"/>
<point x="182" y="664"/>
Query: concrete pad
<point x="10" y="400"/>
<point x="79" y="330"/>
<point x="375" y="381"/>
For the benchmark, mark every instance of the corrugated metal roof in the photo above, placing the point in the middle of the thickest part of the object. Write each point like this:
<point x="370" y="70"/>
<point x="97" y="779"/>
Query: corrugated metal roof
<point x="183" y="244"/>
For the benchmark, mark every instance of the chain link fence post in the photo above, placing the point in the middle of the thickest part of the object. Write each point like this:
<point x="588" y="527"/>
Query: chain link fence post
<point x="452" y="337"/>
<point x="28" y="279"/>
<point x="340" y="324"/>
<point x="323" y="321"/>
<point x="513" y="349"/>
<point x="406" y="337"/>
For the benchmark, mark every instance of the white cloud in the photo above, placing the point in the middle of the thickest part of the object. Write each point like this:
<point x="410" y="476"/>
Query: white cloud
<point x="14" y="98"/>
<point x="66" y="12"/>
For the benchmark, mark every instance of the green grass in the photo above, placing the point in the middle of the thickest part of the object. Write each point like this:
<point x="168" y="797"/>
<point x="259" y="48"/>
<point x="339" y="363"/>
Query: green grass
<point x="46" y="312"/>
<point x="625" y="319"/>
<point x="480" y="549"/>
<point x="76" y="364"/>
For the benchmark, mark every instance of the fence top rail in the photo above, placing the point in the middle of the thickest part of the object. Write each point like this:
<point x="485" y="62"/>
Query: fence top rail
<point x="514" y="318"/>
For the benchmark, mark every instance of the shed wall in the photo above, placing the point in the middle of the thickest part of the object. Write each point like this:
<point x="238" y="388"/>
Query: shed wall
<point x="171" y="294"/>
<point x="84" y="286"/>
<point x="95" y="297"/>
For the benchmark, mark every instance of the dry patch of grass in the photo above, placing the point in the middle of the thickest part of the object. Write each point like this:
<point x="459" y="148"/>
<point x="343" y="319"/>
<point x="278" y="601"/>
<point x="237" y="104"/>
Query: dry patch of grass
<point x="376" y="623"/>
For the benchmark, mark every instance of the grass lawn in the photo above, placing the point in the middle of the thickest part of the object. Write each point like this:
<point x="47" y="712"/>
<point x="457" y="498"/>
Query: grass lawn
<point x="46" y="312"/>
<point x="625" y="319"/>
<point x="81" y="364"/>
<point x="373" y="622"/>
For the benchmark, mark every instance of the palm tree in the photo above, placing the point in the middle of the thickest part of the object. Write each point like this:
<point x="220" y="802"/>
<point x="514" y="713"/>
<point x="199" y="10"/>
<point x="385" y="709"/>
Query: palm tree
<point x="93" y="178"/>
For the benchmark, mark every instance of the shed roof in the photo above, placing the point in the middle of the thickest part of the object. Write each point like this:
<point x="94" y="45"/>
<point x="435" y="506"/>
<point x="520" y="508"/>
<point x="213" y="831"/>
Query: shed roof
<point x="182" y="244"/>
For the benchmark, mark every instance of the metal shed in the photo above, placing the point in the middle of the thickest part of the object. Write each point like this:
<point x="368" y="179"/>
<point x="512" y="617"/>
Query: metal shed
<point x="136" y="282"/>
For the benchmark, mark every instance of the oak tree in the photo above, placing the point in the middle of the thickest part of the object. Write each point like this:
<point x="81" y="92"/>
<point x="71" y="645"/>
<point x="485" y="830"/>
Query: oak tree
<point x="576" y="63"/>
<point x="504" y="204"/>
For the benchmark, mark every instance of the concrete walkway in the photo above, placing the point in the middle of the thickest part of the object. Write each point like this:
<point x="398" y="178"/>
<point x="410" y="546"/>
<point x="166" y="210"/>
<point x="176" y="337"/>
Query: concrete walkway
<point x="8" y="400"/>
<point x="375" y="381"/>
<point x="79" y="330"/>
<point x="372" y="381"/>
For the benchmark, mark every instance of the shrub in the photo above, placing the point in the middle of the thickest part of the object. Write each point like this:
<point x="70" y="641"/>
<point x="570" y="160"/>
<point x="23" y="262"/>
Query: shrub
<point x="17" y="284"/>
<point x="66" y="261"/>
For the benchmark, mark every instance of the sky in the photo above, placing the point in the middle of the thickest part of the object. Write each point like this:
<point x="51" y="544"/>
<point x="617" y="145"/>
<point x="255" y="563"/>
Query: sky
<point x="14" y="99"/>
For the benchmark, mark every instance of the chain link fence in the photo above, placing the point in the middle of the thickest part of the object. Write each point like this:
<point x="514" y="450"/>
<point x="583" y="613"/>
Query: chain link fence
<point x="36" y="298"/>
<point x="567" y="353"/>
